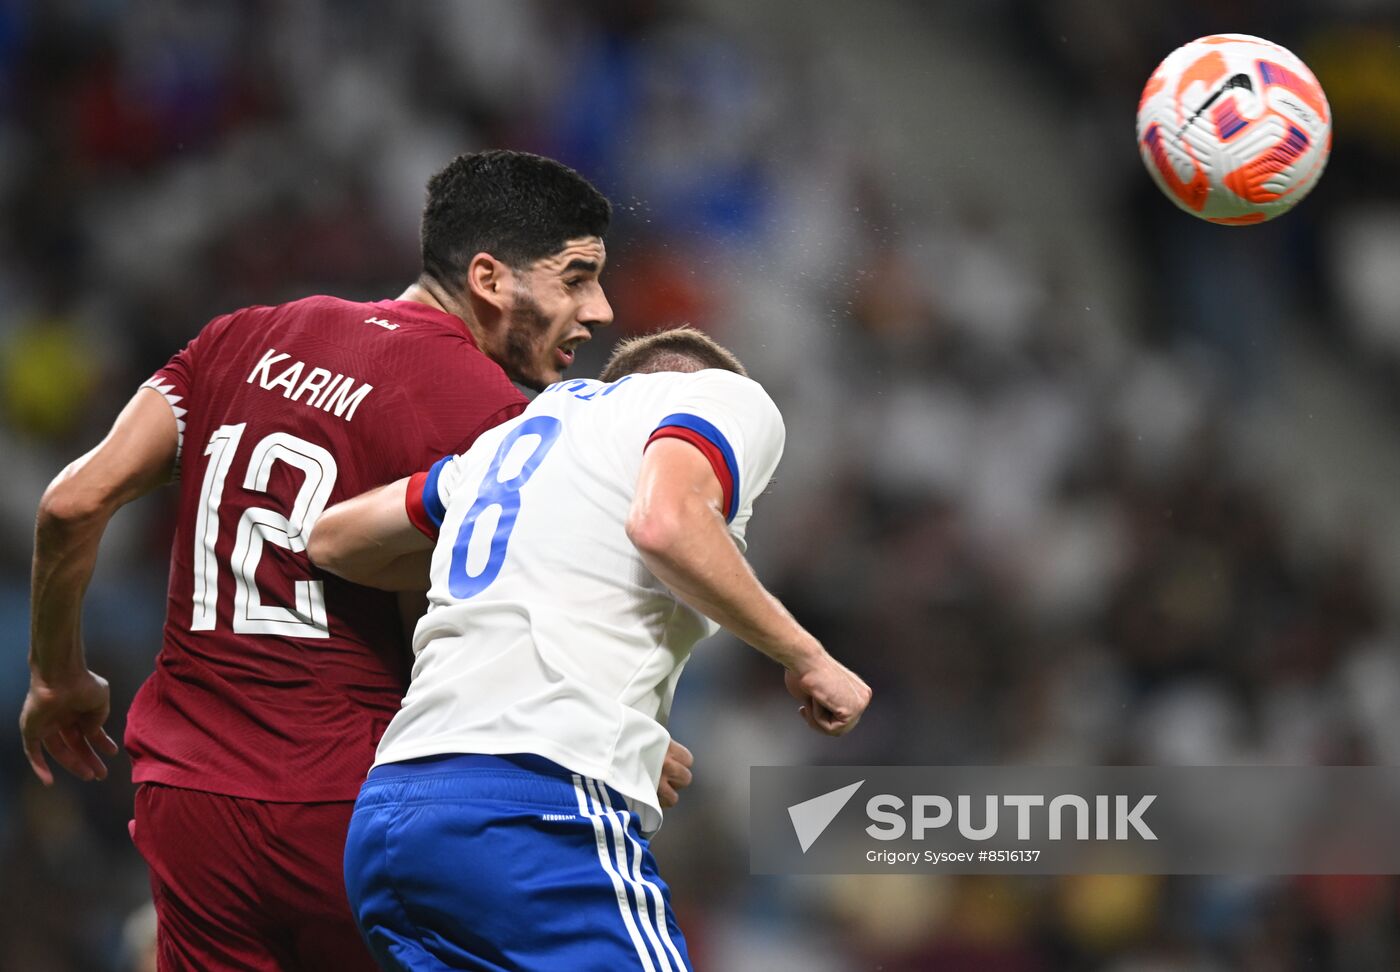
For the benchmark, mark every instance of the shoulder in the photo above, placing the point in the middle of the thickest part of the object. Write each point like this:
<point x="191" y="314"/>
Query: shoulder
<point x="374" y="317"/>
<point x="322" y="304"/>
<point x="719" y="381"/>
<point x="734" y="393"/>
<point x="315" y="305"/>
<point x="456" y="361"/>
<point x="417" y="343"/>
<point x="455" y="388"/>
<point x="256" y="317"/>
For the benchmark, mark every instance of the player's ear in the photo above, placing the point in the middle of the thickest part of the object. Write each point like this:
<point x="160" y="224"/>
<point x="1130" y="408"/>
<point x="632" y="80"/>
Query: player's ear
<point x="488" y="279"/>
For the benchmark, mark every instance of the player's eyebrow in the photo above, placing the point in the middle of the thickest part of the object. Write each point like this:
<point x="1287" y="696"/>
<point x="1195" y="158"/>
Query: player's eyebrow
<point x="578" y="263"/>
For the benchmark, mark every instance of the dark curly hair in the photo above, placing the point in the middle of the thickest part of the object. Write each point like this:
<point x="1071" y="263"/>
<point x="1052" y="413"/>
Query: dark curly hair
<point x="515" y="206"/>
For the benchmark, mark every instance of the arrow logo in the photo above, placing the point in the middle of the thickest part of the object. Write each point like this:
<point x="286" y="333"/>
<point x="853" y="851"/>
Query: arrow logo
<point x="811" y="817"/>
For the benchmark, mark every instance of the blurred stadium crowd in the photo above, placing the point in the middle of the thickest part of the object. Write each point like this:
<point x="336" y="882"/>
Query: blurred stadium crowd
<point x="1042" y="530"/>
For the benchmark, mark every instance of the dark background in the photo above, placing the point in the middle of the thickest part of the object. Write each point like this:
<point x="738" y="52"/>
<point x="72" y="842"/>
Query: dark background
<point x="1071" y="477"/>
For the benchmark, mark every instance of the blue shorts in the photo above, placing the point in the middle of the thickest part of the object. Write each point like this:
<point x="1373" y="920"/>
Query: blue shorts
<point x="505" y="862"/>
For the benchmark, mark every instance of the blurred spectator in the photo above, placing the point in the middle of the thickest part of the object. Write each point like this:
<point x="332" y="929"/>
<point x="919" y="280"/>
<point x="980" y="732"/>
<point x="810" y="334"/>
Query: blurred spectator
<point x="1015" y="500"/>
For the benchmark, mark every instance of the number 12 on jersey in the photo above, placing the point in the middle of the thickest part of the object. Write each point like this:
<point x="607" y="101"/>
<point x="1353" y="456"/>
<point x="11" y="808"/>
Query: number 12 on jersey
<point x="504" y="494"/>
<point x="257" y="526"/>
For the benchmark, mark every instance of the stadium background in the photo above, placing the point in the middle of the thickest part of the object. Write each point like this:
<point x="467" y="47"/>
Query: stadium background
<point x="1071" y="478"/>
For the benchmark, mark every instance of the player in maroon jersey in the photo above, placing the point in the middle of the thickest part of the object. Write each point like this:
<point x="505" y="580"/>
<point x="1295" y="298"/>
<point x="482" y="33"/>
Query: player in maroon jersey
<point x="275" y="680"/>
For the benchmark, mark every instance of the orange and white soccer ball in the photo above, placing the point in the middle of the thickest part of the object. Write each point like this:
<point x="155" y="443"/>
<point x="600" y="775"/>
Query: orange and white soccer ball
<point x="1234" y="129"/>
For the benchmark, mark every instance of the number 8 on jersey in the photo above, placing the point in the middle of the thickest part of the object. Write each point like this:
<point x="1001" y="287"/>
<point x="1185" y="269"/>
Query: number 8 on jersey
<point x="499" y="493"/>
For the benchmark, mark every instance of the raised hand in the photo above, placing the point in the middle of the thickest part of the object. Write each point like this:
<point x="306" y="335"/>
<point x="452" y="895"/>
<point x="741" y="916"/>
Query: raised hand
<point x="833" y="697"/>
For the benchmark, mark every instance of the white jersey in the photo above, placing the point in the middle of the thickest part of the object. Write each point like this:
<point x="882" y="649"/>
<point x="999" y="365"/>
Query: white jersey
<point x="545" y="631"/>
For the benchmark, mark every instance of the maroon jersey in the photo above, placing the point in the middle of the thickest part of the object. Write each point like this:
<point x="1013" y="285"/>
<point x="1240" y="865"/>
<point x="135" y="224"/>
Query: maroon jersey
<point x="275" y="679"/>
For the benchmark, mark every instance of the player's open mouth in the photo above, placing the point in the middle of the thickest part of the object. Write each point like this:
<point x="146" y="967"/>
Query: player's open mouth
<point x="564" y="353"/>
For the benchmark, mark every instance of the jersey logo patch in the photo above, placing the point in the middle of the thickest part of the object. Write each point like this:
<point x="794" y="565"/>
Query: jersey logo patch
<point x="382" y="323"/>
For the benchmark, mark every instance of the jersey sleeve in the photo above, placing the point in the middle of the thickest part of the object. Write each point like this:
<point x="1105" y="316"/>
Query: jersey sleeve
<point x="175" y="382"/>
<point x="430" y="490"/>
<point x="736" y="426"/>
<point x="425" y="504"/>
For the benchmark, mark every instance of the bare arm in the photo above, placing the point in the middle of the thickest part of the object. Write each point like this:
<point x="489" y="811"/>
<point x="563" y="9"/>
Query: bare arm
<point x="67" y="704"/>
<point x="676" y="524"/>
<point x="369" y="540"/>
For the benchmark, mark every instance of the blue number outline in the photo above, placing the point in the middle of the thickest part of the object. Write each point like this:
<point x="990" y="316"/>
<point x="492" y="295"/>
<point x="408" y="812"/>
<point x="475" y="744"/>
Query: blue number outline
<point x="505" y="494"/>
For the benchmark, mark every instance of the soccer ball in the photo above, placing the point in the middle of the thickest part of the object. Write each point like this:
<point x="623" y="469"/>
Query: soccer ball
<point x="1234" y="129"/>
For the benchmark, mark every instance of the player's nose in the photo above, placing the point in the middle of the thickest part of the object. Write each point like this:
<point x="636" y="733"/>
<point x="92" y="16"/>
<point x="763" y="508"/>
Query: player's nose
<point x="596" y="311"/>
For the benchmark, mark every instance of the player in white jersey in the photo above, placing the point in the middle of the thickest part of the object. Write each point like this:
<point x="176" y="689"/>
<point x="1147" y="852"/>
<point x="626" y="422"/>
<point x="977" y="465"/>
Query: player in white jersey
<point x="584" y="548"/>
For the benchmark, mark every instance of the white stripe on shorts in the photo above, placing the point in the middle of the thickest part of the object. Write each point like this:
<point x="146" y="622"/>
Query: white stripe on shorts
<point x="658" y="902"/>
<point x="598" y="791"/>
<point x="623" y="905"/>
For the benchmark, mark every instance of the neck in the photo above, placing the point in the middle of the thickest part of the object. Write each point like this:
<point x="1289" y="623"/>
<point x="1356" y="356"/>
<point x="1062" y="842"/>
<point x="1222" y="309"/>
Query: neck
<point x="425" y="290"/>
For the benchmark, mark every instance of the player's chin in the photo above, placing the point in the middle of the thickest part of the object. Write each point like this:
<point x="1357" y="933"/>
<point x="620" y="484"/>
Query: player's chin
<point x="547" y="377"/>
<point x="537" y="376"/>
<point x="555" y="368"/>
<point x="562" y="359"/>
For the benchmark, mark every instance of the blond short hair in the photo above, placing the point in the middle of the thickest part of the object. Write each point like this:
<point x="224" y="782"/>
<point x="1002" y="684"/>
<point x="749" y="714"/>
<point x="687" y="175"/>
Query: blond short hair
<point x="682" y="348"/>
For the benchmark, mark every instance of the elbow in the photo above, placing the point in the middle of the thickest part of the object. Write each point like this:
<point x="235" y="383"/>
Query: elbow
<point x="334" y="546"/>
<point x="67" y="505"/>
<point x="647" y="532"/>
<point x="321" y="547"/>
<point x="656" y="531"/>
